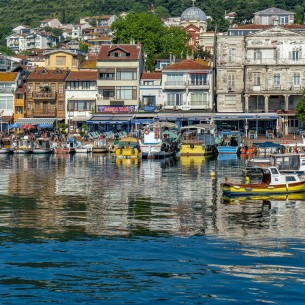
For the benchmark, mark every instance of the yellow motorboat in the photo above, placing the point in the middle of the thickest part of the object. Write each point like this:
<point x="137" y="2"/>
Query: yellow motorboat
<point x="272" y="183"/>
<point x="128" y="148"/>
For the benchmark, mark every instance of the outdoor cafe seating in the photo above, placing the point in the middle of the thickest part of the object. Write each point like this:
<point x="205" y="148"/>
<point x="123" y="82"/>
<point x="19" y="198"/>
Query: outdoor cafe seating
<point x="269" y="134"/>
<point x="252" y="134"/>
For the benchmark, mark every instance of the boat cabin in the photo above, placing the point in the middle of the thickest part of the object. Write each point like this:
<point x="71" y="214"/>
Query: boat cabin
<point x="272" y="176"/>
<point x="289" y="162"/>
<point x="199" y="133"/>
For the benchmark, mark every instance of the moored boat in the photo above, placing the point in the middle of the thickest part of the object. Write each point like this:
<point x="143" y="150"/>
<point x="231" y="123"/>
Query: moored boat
<point x="5" y="147"/>
<point x="83" y="148"/>
<point x="128" y="148"/>
<point x="100" y="146"/>
<point x="272" y="182"/>
<point x="231" y="142"/>
<point x="159" y="140"/>
<point x="42" y="146"/>
<point x="22" y="146"/>
<point x="198" y="140"/>
<point x="66" y="148"/>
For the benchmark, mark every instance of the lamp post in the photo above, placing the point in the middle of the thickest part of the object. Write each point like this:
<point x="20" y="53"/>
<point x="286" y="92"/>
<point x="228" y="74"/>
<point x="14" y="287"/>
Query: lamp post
<point x="69" y="110"/>
<point x="257" y="115"/>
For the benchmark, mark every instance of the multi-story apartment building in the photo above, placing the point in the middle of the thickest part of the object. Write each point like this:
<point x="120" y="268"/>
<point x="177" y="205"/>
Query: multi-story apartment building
<point x="81" y="93"/>
<point x="45" y="94"/>
<point x="119" y="71"/>
<point x="187" y="85"/>
<point x="262" y="72"/>
<point x="151" y="91"/>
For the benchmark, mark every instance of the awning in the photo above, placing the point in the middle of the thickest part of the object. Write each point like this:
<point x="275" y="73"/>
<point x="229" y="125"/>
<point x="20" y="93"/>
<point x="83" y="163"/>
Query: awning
<point x="6" y="119"/>
<point x="113" y="119"/>
<point x="80" y="119"/>
<point x="36" y="121"/>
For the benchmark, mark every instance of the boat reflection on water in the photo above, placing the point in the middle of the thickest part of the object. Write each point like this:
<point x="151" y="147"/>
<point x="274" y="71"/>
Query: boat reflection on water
<point x="266" y="198"/>
<point x="197" y="161"/>
<point x="127" y="162"/>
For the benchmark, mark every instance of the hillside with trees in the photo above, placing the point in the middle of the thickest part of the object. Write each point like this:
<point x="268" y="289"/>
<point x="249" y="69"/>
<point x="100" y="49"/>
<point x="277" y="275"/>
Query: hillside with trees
<point x="30" y="12"/>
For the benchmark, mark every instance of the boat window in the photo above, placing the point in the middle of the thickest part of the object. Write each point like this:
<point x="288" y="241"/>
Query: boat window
<point x="303" y="162"/>
<point x="290" y="178"/>
<point x="274" y="171"/>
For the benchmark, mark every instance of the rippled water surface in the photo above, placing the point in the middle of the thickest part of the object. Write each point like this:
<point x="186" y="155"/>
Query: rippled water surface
<point x="93" y="230"/>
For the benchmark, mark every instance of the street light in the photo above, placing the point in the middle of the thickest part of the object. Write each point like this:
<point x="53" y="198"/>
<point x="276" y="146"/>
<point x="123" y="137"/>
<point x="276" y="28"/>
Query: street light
<point x="257" y="115"/>
<point x="68" y="110"/>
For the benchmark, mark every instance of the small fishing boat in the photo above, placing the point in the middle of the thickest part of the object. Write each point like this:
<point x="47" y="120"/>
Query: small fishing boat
<point x="5" y="146"/>
<point x="100" y="146"/>
<point x="83" y="148"/>
<point x="159" y="140"/>
<point x="272" y="183"/>
<point x="22" y="146"/>
<point x="128" y="148"/>
<point x="66" y="148"/>
<point x="230" y="142"/>
<point x="42" y="146"/>
<point x="198" y="140"/>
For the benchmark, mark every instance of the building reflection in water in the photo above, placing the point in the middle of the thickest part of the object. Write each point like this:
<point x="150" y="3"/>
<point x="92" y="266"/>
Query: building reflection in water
<point x="98" y="195"/>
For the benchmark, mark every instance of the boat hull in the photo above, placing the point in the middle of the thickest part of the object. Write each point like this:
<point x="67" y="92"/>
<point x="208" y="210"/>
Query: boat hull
<point x="64" y="150"/>
<point x="228" y="149"/>
<point x="127" y="153"/>
<point x="42" y="151"/>
<point x="190" y="149"/>
<point x="5" y="151"/>
<point x="230" y="189"/>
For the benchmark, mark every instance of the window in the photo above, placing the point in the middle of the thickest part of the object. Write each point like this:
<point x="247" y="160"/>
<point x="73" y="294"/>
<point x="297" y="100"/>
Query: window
<point x="108" y="93"/>
<point x="126" y="74"/>
<point x="126" y="93"/>
<point x="265" y="20"/>
<point x="232" y="55"/>
<point x="107" y="74"/>
<point x="296" y="80"/>
<point x="74" y="85"/>
<point x="256" y="78"/>
<point x="149" y="100"/>
<point x="19" y="96"/>
<point x="231" y="81"/>
<point x="60" y="106"/>
<point x="200" y="99"/>
<point x="6" y="103"/>
<point x="283" y="19"/>
<point x="19" y="110"/>
<point x="290" y="179"/>
<point x="61" y="88"/>
<point x="277" y="80"/>
<point x="199" y="79"/>
<point x="175" y="79"/>
<point x="174" y="99"/>
<point x="230" y="100"/>
<point x="295" y="55"/>
<point x="257" y="54"/>
<point x="37" y="106"/>
<point x="81" y="105"/>
<point x="61" y="60"/>
<point x="148" y="82"/>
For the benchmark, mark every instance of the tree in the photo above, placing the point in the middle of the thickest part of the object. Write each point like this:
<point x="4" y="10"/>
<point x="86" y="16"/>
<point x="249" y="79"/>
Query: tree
<point x="7" y="51"/>
<point x="148" y="30"/>
<point x="300" y="109"/>
<point x="203" y="54"/>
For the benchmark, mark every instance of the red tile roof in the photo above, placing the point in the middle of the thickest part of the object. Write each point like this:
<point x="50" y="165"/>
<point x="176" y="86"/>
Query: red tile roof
<point x="132" y="50"/>
<point x="56" y="75"/>
<point x="187" y="65"/>
<point x="82" y="75"/>
<point x="153" y="75"/>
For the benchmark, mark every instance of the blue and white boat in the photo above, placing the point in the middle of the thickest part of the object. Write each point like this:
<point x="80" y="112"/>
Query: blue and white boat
<point x="230" y="142"/>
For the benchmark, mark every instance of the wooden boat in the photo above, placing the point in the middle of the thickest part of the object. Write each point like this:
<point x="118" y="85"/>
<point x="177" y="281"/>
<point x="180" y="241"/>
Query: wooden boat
<point x="198" y="140"/>
<point x="100" y="146"/>
<point x="128" y="148"/>
<point x="272" y="183"/>
<point x="230" y="142"/>
<point x="159" y="140"/>
<point x="66" y="148"/>
<point x="80" y="148"/>
<point x="42" y="146"/>
<point x="22" y="146"/>
<point x="5" y="146"/>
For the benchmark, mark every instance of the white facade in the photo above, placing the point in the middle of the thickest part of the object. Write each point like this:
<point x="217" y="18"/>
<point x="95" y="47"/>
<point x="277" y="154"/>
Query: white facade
<point x="150" y="92"/>
<point x="187" y="85"/>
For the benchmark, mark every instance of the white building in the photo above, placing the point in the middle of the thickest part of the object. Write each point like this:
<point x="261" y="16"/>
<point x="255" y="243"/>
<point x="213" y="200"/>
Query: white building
<point x="188" y="85"/>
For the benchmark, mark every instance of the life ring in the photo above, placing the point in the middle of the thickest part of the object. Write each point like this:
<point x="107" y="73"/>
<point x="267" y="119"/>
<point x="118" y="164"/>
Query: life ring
<point x="147" y="131"/>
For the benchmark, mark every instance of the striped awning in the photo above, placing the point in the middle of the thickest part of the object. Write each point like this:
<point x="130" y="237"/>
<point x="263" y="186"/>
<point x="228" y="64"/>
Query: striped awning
<point x="110" y="119"/>
<point x="36" y="121"/>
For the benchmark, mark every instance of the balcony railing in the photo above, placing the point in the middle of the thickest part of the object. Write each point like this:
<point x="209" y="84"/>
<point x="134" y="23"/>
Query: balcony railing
<point x="199" y="83"/>
<point x="174" y="84"/>
<point x="43" y="95"/>
<point x="42" y="112"/>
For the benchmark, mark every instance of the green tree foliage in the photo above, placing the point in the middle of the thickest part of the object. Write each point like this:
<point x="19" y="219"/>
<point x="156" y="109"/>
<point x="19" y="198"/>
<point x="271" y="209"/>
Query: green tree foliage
<point x="147" y="29"/>
<point x="5" y="31"/>
<point x="203" y="54"/>
<point x="300" y="109"/>
<point x="7" y="51"/>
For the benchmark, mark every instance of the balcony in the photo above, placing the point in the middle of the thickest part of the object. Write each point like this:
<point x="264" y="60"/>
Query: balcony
<point x="174" y="85"/>
<point x="42" y="95"/>
<point x="199" y="84"/>
<point x="46" y="113"/>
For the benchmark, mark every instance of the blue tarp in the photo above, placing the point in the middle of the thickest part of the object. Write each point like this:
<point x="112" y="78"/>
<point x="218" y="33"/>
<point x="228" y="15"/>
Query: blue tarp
<point x="267" y="144"/>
